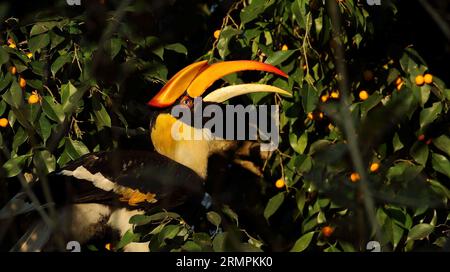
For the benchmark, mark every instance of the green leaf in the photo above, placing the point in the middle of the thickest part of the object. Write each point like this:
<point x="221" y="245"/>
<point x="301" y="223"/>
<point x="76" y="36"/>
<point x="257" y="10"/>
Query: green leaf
<point x="347" y="247"/>
<point x="370" y="103"/>
<point x="442" y="143"/>
<point x="37" y="67"/>
<point x="397" y="234"/>
<point x="441" y="242"/>
<point x="14" y="165"/>
<point x="419" y="152"/>
<point x="331" y="248"/>
<point x="168" y="232"/>
<point x="396" y="143"/>
<point x="44" y="128"/>
<point x="4" y="56"/>
<point x="273" y="205"/>
<point x="6" y="80"/>
<point x="55" y="39"/>
<point x="298" y="143"/>
<point x="159" y="51"/>
<point x="35" y="84"/>
<point x="141" y="219"/>
<point x="67" y="92"/>
<point x="52" y="110"/>
<point x="191" y="247"/>
<point x="420" y="231"/>
<point x="75" y="149"/>
<point x="404" y="171"/>
<point x="279" y="57"/>
<point x="252" y="11"/>
<point x="177" y="47"/>
<point x="127" y="238"/>
<point x="214" y="218"/>
<point x="299" y="11"/>
<point x="19" y="138"/>
<point x="301" y="200"/>
<point x="407" y="63"/>
<point x="439" y="188"/>
<point x="115" y="46"/>
<point x="14" y="96"/>
<point x="44" y="161"/>
<point x="101" y="116"/>
<point x="42" y="27"/>
<point x="226" y="35"/>
<point x="2" y="107"/>
<point x="228" y="211"/>
<point x="38" y="42"/>
<point x="309" y="98"/>
<point x="423" y="92"/>
<point x="441" y="164"/>
<point x="303" y="242"/>
<point x="219" y="242"/>
<point x="60" y="62"/>
<point x="428" y="115"/>
<point x="157" y="217"/>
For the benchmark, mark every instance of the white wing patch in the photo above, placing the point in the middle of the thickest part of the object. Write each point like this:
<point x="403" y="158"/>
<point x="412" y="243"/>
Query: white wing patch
<point x="97" y="179"/>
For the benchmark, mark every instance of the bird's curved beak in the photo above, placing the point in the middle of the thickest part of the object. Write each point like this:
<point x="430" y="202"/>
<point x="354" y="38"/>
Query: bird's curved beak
<point x="197" y="77"/>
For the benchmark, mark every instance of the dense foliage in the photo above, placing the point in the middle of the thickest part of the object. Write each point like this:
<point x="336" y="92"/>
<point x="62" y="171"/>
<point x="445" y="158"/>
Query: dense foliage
<point x="74" y="84"/>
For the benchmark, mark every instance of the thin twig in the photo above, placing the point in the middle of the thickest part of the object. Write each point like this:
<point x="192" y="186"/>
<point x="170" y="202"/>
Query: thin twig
<point x="349" y="127"/>
<point x="437" y="18"/>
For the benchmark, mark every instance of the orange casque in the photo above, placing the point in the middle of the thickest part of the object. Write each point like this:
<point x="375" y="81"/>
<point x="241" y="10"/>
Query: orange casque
<point x="197" y="77"/>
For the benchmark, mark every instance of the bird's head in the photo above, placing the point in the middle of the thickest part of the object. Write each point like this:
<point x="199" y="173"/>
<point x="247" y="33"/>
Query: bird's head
<point x="183" y="91"/>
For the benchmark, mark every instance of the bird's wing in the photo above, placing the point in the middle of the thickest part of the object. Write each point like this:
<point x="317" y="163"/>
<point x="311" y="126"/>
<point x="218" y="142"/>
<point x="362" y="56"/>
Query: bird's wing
<point x="130" y="178"/>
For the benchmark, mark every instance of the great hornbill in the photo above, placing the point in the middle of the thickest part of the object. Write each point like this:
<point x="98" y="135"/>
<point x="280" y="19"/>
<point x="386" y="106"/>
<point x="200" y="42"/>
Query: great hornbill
<point x="104" y="189"/>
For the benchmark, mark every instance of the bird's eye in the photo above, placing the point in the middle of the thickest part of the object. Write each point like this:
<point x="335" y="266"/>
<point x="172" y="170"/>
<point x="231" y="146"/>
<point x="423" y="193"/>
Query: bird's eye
<point x="187" y="101"/>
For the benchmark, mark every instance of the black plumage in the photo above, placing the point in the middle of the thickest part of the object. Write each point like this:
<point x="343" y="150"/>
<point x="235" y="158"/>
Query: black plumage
<point x="148" y="172"/>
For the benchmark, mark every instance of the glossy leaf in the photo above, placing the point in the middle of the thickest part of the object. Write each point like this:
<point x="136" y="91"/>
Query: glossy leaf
<point x="273" y="205"/>
<point x="303" y="242"/>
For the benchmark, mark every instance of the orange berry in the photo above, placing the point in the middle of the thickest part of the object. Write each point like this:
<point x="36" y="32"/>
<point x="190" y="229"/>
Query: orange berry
<point x="363" y="95"/>
<point x="428" y="78"/>
<point x="354" y="177"/>
<point x="335" y="94"/>
<point x="217" y="34"/>
<point x="398" y="81"/>
<point x="324" y="98"/>
<point x="399" y="86"/>
<point x="33" y="99"/>
<point x="374" y="167"/>
<point x="22" y="82"/>
<point x="310" y="116"/>
<point x="3" y="122"/>
<point x="421" y="137"/>
<point x="327" y="231"/>
<point x="13" y="70"/>
<point x="284" y="48"/>
<point x="420" y="80"/>
<point x="280" y="183"/>
<point x="321" y="115"/>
